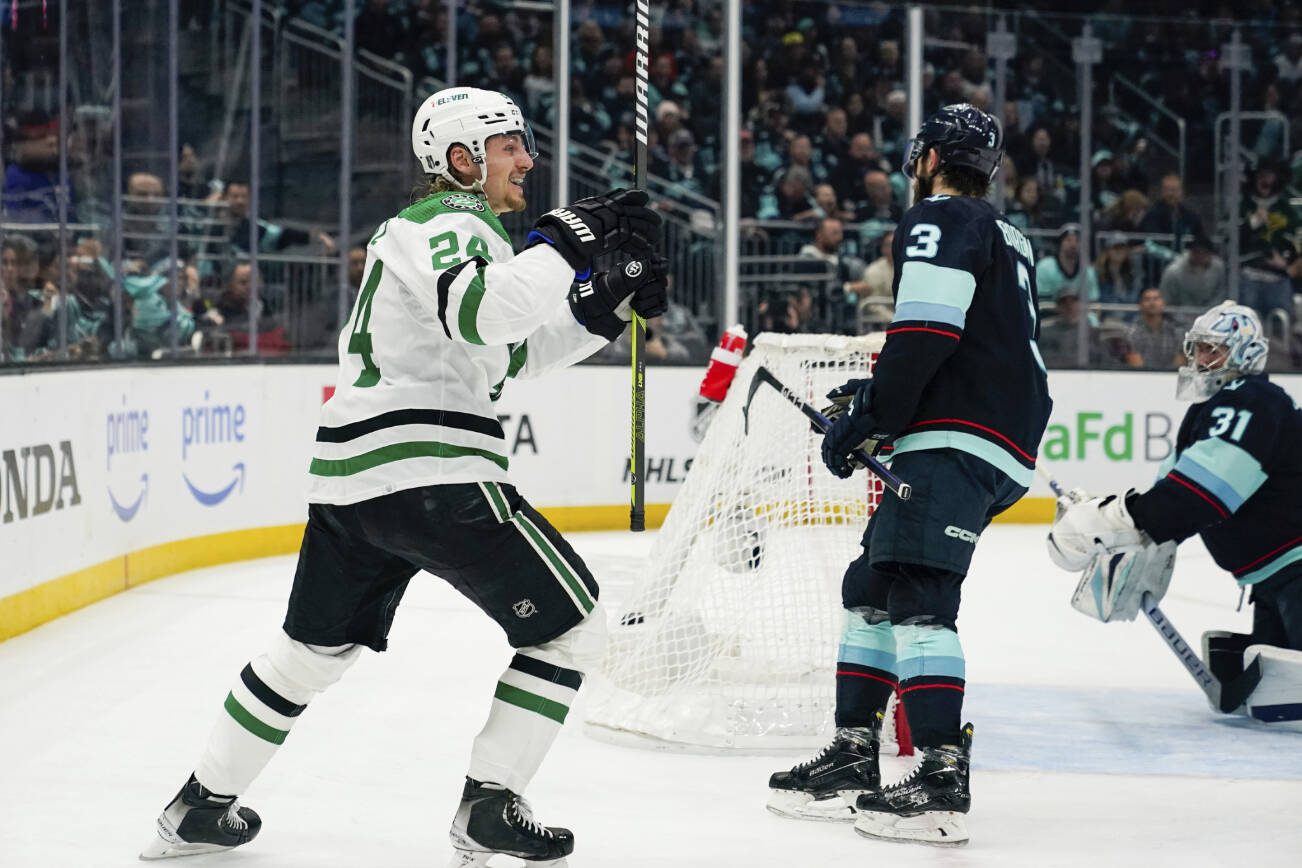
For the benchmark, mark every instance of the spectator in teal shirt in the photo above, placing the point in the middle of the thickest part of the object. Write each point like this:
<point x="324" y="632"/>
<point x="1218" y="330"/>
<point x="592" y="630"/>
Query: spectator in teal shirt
<point x="1065" y="268"/>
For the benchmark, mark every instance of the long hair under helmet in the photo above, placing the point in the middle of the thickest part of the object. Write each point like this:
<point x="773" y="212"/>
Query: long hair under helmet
<point x="469" y="117"/>
<point x="1233" y="326"/>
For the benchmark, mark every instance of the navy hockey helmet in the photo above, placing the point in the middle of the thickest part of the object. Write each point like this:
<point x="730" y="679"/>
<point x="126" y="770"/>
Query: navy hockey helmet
<point x="962" y="135"/>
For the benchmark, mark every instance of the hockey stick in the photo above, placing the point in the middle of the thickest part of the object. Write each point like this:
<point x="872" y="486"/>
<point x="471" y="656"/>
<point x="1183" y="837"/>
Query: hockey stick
<point x="901" y="488"/>
<point x="1218" y="694"/>
<point x="637" y="470"/>
<point x="1192" y="663"/>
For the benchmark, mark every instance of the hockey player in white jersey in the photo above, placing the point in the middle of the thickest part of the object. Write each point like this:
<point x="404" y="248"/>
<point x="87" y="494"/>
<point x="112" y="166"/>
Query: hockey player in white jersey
<point x="410" y="473"/>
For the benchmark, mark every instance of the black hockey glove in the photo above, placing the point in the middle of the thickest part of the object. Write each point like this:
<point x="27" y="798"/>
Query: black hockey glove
<point x="602" y="304"/>
<point x="588" y="228"/>
<point x="853" y="426"/>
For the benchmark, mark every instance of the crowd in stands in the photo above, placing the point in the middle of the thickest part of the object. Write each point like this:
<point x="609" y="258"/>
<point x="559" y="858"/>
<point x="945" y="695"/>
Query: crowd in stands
<point x="824" y="131"/>
<point x="199" y="301"/>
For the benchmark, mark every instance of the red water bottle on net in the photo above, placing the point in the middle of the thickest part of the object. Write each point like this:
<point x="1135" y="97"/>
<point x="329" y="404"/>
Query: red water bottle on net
<point x="724" y="360"/>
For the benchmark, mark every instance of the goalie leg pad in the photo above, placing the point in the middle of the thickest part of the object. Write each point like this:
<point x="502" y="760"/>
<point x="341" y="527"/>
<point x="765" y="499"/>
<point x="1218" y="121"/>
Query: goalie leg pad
<point x="1278" y="696"/>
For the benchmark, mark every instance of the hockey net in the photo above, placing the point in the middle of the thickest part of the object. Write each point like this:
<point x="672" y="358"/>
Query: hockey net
<point x="729" y="638"/>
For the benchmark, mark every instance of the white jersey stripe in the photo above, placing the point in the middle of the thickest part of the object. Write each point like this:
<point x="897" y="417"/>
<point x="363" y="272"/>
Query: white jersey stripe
<point x="549" y="557"/>
<point x="567" y="575"/>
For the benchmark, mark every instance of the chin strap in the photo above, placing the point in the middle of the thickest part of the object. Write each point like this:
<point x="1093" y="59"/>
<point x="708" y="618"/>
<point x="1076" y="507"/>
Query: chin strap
<point x="477" y="186"/>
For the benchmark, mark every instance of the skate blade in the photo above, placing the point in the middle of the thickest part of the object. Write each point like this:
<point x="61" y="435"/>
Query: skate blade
<point x="934" y="828"/>
<point x="479" y="859"/>
<point x="798" y="805"/>
<point x="160" y="849"/>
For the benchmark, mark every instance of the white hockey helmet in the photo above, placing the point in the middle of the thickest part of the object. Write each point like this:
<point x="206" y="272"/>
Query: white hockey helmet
<point x="1233" y="326"/>
<point x="464" y="116"/>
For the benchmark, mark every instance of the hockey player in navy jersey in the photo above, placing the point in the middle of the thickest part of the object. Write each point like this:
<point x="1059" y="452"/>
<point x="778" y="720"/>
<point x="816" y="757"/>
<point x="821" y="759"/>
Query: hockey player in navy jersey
<point x="1235" y="478"/>
<point x="410" y="472"/>
<point x="961" y="394"/>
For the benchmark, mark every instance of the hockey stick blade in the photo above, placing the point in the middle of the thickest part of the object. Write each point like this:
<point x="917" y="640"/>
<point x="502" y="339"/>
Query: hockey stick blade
<point x="898" y="487"/>
<point x="1205" y="679"/>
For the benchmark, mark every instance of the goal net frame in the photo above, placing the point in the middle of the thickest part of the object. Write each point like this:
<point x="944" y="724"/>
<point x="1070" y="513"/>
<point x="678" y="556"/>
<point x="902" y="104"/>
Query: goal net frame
<point x="728" y="640"/>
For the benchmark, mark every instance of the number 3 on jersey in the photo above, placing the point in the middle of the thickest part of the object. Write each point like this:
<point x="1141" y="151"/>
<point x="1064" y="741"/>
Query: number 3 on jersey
<point x="926" y="241"/>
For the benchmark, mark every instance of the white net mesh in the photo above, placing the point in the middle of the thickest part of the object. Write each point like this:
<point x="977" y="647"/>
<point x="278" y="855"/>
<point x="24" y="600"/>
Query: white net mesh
<point x="729" y="638"/>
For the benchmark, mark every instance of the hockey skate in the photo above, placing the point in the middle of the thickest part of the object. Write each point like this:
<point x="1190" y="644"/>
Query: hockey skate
<point x="928" y="805"/>
<point x="825" y="787"/>
<point x="198" y="821"/>
<point x="493" y="820"/>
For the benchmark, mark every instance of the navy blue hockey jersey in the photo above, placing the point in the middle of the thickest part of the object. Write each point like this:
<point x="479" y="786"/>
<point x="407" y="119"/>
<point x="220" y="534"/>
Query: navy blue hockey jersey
<point x="1235" y="477"/>
<point x="960" y="368"/>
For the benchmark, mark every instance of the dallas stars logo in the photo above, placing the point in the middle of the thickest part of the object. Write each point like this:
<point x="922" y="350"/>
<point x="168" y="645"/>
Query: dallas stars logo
<point x="463" y="202"/>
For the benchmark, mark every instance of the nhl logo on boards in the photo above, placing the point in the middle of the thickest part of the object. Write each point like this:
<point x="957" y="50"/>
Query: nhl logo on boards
<point x="524" y="608"/>
<point x="463" y="202"/>
<point x="633" y="269"/>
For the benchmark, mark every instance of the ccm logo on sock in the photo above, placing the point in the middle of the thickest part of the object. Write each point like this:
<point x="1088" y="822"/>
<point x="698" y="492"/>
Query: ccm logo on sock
<point x="570" y="219"/>
<point x="965" y="535"/>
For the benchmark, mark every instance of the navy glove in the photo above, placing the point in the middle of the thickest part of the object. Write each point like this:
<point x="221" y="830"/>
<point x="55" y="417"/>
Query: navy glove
<point x="589" y="228"/>
<point x="601" y="305"/>
<point x="852" y="426"/>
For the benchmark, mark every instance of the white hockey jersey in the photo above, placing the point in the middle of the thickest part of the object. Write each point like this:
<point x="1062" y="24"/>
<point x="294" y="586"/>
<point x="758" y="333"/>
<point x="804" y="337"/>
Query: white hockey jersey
<point x="446" y="314"/>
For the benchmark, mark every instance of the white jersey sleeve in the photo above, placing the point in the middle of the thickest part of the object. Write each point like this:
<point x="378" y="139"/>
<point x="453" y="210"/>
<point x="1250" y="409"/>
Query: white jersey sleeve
<point x="446" y="314"/>
<point x="463" y="274"/>
<point x="559" y="343"/>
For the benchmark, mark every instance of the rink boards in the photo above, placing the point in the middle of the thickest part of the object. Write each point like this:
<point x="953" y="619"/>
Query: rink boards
<point x="111" y="478"/>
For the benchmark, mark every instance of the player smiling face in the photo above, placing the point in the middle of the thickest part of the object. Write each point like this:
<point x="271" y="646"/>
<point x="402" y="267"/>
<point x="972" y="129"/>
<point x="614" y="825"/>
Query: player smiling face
<point x="506" y="163"/>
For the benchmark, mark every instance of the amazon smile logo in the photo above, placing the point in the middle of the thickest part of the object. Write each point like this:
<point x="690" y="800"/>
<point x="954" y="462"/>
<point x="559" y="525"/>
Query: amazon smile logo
<point x="127" y="441"/>
<point x="213" y="430"/>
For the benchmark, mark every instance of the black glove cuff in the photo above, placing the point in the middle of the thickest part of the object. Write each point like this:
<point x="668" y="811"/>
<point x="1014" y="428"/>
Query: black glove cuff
<point x="561" y="239"/>
<point x="606" y="325"/>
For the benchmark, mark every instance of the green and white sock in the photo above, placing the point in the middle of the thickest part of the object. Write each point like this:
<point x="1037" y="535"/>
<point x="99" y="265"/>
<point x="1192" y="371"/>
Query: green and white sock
<point x="530" y="704"/>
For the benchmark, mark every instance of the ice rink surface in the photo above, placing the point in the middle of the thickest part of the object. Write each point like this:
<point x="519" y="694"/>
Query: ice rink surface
<point x="1092" y="747"/>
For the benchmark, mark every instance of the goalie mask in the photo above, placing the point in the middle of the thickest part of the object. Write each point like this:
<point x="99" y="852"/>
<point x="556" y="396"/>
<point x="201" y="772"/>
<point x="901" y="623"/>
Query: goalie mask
<point x="1231" y="343"/>
<point x="469" y="117"/>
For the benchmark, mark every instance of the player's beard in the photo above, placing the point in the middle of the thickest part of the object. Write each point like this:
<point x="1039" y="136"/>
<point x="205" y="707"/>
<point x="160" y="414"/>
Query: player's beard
<point x="515" y="197"/>
<point x="922" y="186"/>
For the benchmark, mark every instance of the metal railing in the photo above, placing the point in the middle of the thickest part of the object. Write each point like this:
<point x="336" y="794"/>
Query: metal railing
<point x="1120" y="85"/>
<point x="297" y="309"/>
<point x="385" y="107"/>
<point x="797" y="293"/>
<point x="308" y="79"/>
<point x="1246" y="155"/>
